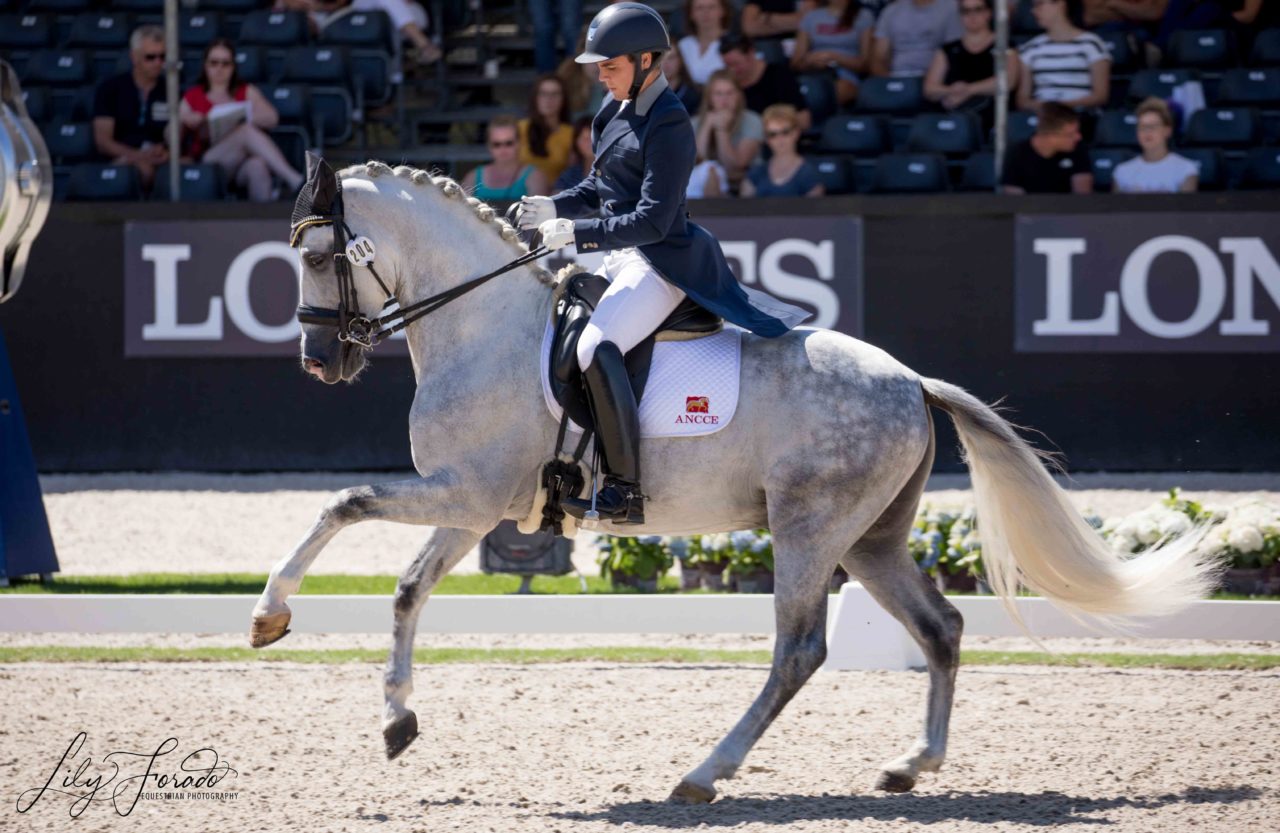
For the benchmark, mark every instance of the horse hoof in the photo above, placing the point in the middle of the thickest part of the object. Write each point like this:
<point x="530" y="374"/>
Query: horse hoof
<point x="400" y="734"/>
<point x="691" y="793"/>
<point x="269" y="629"/>
<point x="895" y="782"/>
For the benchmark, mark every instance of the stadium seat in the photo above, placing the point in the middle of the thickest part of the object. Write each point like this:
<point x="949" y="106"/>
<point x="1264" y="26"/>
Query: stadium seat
<point x="1262" y="169"/>
<point x="1104" y="162"/>
<point x="39" y="103"/>
<point x="292" y="102"/>
<point x="890" y="95"/>
<point x="58" y="68"/>
<point x="80" y="104"/>
<point x="251" y="64"/>
<point x="1022" y="126"/>
<point x="947" y="133"/>
<point x="231" y="6"/>
<point x="69" y="142"/>
<point x="100" y="30"/>
<point x="1124" y="59"/>
<point x="293" y="142"/>
<point x="909" y="173"/>
<point x="59" y="6"/>
<point x="144" y="6"/>
<point x="1116" y="129"/>
<point x="97" y="182"/>
<point x="269" y="28"/>
<point x="1224" y="127"/>
<point x="835" y="173"/>
<point x="1200" y="48"/>
<point x="333" y="115"/>
<point x="105" y="63"/>
<point x="370" y="29"/>
<point x="376" y="73"/>
<point x="1158" y="82"/>
<point x="1249" y="87"/>
<point x="1266" y="49"/>
<point x="856" y="134"/>
<point x="1212" y="173"/>
<point x="197" y="29"/>
<point x="25" y="32"/>
<point x="819" y="91"/>
<point x="196" y="183"/>
<point x="979" y="172"/>
<point x="317" y="65"/>
<point x="1022" y="21"/>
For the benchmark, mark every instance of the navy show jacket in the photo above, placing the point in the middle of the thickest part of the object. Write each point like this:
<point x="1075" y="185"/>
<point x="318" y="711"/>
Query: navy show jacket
<point x="644" y="155"/>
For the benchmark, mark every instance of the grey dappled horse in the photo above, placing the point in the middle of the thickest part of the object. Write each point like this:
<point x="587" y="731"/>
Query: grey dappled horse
<point x="829" y="448"/>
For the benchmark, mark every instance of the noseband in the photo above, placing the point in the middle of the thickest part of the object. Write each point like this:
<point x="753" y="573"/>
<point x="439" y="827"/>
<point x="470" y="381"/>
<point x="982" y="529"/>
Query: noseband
<point x="351" y="249"/>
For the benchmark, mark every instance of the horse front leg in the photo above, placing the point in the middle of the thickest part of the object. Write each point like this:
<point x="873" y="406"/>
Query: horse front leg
<point x="435" y="500"/>
<point x="442" y="552"/>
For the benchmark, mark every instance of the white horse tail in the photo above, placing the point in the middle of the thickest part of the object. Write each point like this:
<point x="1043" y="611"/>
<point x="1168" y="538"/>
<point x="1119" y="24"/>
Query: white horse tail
<point x="1033" y="536"/>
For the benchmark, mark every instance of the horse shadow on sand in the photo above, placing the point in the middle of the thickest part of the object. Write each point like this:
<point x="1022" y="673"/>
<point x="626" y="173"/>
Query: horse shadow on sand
<point x="1044" y="809"/>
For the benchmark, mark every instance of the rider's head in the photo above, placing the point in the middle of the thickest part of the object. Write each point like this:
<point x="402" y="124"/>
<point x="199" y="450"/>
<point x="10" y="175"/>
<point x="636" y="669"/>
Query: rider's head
<point x="627" y="41"/>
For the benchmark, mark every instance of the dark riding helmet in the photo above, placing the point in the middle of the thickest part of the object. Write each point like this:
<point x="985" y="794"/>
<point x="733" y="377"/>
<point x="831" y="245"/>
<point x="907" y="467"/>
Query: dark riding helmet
<point x="630" y="29"/>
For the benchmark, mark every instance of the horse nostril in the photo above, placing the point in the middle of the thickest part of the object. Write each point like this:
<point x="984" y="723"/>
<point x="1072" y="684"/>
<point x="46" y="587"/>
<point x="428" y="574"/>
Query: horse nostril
<point x="313" y="366"/>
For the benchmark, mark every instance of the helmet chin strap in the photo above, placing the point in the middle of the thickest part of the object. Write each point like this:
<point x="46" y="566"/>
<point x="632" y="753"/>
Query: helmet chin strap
<point x="640" y="75"/>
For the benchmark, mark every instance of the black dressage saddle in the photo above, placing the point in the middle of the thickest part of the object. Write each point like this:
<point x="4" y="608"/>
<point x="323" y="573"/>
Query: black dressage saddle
<point x="582" y="293"/>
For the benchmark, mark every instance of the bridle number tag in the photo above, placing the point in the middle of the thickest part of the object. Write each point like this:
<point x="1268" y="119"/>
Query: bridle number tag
<point x="360" y="251"/>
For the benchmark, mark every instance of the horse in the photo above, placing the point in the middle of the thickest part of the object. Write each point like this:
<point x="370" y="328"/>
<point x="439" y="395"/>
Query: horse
<point x="830" y="448"/>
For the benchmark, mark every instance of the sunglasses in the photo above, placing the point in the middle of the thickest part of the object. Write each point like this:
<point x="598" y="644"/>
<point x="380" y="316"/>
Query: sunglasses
<point x="153" y="56"/>
<point x="773" y="134"/>
<point x="510" y="143"/>
<point x="218" y="62"/>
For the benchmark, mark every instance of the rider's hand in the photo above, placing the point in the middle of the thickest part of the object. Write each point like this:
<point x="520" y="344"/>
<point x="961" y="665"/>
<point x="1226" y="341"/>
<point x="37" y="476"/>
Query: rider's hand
<point x="534" y="211"/>
<point x="556" y="234"/>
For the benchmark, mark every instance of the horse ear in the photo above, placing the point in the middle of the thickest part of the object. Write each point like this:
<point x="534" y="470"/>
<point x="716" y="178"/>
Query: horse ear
<point x="322" y="185"/>
<point x="314" y="161"/>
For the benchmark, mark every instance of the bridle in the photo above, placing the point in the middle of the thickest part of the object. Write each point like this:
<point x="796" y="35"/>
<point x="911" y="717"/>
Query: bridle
<point x="350" y="249"/>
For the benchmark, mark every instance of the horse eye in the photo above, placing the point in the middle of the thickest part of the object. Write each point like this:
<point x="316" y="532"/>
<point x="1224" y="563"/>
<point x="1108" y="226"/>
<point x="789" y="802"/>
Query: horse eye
<point x="317" y="261"/>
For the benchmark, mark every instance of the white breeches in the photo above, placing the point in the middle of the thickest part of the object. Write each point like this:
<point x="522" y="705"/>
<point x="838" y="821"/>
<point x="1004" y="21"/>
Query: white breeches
<point x="637" y="301"/>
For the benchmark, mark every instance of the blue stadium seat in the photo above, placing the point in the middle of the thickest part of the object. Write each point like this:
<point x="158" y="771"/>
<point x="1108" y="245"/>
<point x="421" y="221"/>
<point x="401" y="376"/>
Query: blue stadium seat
<point x="97" y="182"/>
<point x="196" y="183"/>
<point x="317" y="65"/>
<point x="979" y="172"/>
<point x="819" y="91"/>
<point x="69" y="142"/>
<point x="79" y="106"/>
<point x="105" y="63"/>
<point x="39" y="103"/>
<point x="251" y="64"/>
<point x="332" y="116"/>
<point x="370" y="29"/>
<point x="890" y="95"/>
<point x="1224" y="127"/>
<point x="100" y="30"/>
<point x="1116" y="129"/>
<point x="1158" y="82"/>
<point x="376" y="74"/>
<point x="1266" y="49"/>
<point x="59" y="6"/>
<point x="58" y="68"/>
<point x="231" y="6"/>
<point x="1124" y="59"/>
<point x="947" y="133"/>
<point x="1262" y="169"/>
<point x="197" y="29"/>
<point x="25" y="32"/>
<point x="856" y="134"/>
<point x="909" y="173"/>
<point x="1104" y="162"/>
<point x="1249" y="87"/>
<point x="144" y="6"/>
<point x="835" y="172"/>
<point x="270" y="28"/>
<point x="1213" y="174"/>
<point x="1200" y="48"/>
<point x="293" y="142"/>
<point x="1022" y="126"/>
<point x="292" y="102"/>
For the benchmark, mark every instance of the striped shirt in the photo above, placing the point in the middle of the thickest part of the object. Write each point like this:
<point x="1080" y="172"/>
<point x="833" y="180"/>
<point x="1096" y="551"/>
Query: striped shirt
<point x="1060" y="69"/>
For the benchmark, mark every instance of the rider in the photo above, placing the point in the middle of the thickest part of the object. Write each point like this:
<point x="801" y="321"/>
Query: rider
<point x="655" y="257"/>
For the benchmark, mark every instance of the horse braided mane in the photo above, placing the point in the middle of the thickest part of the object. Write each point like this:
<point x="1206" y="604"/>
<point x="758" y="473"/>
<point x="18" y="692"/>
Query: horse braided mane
<point x="451" y="189"/>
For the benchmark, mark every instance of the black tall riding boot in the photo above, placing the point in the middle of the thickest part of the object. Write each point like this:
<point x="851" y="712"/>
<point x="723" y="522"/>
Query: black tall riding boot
<point x="617" y="418"/>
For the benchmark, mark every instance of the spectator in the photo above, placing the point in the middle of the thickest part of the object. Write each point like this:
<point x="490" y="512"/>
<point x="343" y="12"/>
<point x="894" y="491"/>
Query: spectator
<point x="582" y="81"/>
<point x="1065" y="64"/>
<point x="407" y="17"/>
<point x="1156" y="170"/>
<point x="130" y="111"/>
<point x="962" y="75"/>
<point x="774" y="18"/>
<point x="707" y="20"/>
<point x="726" y="131"/>
<point x="581" y="159"/>
<point x="546" y="136"/>
<point x="1168" y="16"/>
<point x="679" y="82"/>
<point x="762" y="84"/>
<point x="836" y="35"/>
<point x="546" y="25"/>
<point x="247" y="154"/>
<point x="1052" y="160"/>
<point x="909" y="32"/>
<point x="787" y="173"/>
<point x="506" y="178"/>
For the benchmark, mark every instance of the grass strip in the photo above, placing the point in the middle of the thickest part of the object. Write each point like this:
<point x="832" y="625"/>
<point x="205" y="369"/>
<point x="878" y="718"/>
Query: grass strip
<point x="439" y="656"/>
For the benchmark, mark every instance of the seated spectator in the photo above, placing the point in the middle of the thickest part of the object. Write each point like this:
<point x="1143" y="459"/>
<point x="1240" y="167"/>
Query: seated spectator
<point x="581" y="158"/>
<point x="962" y="75"/>
<point x="706" y="21"/>
<point x="246" y="153"/>
<point x="787" y="173"/>
<point x="679" y="82"/>
<point x="546" y="135"/>
<point x="547" y="24"/>
<point x="1065" y="64"/>
<point x="582" y="81"/>
<point x="130" y="111"/>
<point x="836" y="36"/>
<point x="909" y="32"/>
<point x="1157" y="170"/>
<point x="774" y="18"/>
<point x="1169" y="16"/>
<point x="762" y="83"/>
<point x="506" y="178"/>
<point x="725" y="130"/>
<point x="407" y="17"/>
<point x="1052" y="160"/>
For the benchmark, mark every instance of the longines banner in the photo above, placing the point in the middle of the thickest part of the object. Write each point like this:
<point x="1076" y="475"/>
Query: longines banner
<point x="1147" y="283"/>
<point x="229" y="288"/>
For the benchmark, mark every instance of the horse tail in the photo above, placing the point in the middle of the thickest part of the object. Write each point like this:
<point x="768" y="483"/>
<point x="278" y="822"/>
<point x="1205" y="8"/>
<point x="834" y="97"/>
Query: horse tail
<point x="1033" y="536"/>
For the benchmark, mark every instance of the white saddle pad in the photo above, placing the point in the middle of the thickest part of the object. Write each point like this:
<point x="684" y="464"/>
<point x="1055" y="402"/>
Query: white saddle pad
<point x="692" y="388"/>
